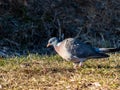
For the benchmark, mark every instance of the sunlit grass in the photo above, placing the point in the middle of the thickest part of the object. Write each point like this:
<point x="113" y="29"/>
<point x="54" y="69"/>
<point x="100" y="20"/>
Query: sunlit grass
<point x="37" y="72"/>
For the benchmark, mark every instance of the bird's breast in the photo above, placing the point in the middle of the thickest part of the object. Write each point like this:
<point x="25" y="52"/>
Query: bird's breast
<point x="62" y="51"/>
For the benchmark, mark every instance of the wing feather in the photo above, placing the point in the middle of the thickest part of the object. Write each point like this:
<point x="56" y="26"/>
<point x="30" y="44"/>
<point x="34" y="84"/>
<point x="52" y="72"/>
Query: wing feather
<point x="82" y="50"/>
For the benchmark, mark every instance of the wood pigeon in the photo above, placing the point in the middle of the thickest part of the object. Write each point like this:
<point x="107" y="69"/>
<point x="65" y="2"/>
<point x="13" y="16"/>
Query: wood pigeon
<point x="71" y="49"/>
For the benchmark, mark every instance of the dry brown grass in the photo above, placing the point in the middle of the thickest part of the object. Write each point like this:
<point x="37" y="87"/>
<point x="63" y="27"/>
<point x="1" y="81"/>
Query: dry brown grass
<point x="36" y="72"/>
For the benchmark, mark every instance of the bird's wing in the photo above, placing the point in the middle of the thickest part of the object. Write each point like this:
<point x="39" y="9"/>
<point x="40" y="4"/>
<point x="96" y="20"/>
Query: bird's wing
<point x="82" y="50"/>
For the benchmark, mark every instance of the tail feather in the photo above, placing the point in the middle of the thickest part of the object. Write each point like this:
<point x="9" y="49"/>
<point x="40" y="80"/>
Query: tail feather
<point x="107" y="50"/>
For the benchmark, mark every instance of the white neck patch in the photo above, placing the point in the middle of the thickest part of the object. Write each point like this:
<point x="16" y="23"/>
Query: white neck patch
<point x="58" y="44"/>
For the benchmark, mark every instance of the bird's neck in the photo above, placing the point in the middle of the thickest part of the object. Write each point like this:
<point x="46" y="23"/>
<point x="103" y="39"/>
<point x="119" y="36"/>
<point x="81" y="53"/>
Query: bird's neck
<point x="57" y="44"/>
<point x="56" y="47"/>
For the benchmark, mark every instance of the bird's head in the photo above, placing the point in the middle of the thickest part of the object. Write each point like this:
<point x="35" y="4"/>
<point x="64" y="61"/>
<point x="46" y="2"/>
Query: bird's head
<point x="52" y="41"/>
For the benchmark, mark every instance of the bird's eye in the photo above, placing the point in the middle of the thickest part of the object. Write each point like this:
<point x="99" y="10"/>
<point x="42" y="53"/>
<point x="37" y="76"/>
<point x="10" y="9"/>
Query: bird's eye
<point x="50" y="42"/>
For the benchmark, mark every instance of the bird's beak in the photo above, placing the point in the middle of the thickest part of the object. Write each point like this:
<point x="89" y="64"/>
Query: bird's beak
<point x="48" y="45"/>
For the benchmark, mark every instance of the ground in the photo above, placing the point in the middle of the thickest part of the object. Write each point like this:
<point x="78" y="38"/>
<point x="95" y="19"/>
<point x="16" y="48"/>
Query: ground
<point x="36" y="72"/>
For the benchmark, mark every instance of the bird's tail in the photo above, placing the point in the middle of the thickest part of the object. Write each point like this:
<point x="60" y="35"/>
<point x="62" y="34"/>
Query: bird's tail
<point x="107" y="50"/>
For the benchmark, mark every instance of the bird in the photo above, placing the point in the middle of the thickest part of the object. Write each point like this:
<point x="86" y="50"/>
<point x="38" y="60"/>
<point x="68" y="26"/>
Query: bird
<point x="72" y="49"/>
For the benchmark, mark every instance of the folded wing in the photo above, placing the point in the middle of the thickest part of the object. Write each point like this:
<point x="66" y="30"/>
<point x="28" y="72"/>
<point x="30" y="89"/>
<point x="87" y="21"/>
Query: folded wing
<point x="82" y="50"/>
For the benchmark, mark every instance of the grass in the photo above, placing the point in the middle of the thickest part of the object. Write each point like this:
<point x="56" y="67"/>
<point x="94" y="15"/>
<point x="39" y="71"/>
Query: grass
<point x="35" y="72"/>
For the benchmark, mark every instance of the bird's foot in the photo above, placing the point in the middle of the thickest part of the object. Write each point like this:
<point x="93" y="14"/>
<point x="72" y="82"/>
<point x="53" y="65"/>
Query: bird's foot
<point x="80" y="64"/>
<point x="77" y="65"/>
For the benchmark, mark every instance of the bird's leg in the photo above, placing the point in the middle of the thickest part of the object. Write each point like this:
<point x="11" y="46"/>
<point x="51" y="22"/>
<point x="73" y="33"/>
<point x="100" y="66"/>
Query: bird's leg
<point x="80" y="64"/>
<point x="75" y="65"/>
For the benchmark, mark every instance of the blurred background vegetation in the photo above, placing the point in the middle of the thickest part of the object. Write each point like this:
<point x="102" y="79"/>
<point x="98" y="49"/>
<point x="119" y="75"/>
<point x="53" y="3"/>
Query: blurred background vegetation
<point x="26" y="25"/>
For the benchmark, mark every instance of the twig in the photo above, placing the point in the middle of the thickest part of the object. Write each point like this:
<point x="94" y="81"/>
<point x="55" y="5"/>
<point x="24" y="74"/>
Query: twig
<point x="61" y="36"/>
<point x="12" y="42"/>
<point x="78" y="32"/>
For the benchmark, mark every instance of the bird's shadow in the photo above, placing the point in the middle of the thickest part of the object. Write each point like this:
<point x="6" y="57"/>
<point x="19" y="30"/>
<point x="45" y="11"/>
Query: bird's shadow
<point x="64" y="70"/>
<point x="46" y="71"/>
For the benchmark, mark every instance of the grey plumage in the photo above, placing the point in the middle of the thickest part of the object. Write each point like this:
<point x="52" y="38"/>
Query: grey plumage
<point x="74" y="50"/>
<point x="81" y="50"/>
